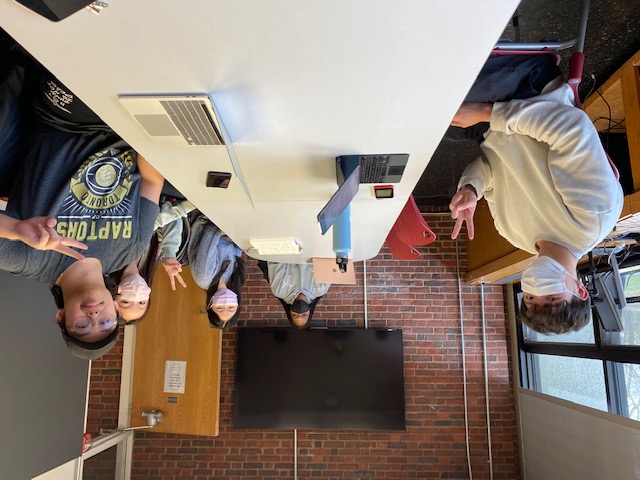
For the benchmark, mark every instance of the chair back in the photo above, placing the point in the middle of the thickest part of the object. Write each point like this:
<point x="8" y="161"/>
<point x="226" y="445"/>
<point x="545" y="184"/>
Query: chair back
<point x="409" y="231"/>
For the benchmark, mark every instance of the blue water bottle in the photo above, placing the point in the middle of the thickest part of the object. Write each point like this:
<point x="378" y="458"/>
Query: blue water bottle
<point x="342" y="238"/>
<point x="342" y="226"/>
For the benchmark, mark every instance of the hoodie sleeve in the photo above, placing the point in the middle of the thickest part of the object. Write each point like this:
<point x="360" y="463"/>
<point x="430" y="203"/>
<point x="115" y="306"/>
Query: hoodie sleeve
<point x="477" y="174"/>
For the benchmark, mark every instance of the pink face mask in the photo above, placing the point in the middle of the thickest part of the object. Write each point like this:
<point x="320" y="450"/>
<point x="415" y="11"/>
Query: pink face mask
<point x="134" y="288"/>
<point x="223" y="296"/>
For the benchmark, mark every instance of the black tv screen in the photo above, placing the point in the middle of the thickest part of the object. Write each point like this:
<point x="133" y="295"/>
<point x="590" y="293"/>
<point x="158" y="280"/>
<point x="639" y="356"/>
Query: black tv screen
<point x="343" y="379"/>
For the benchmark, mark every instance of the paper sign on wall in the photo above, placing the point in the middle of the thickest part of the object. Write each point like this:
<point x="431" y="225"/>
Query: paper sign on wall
<point x="175" y="373"/>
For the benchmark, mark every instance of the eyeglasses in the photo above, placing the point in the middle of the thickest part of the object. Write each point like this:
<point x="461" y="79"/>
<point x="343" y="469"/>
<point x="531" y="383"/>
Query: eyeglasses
<point x="84" y="325"/>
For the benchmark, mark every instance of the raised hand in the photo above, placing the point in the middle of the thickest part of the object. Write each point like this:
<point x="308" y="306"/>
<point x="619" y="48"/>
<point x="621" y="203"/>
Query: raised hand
<point x="173" y="269"/>
<point x="472" y="113"/>
<point x="39" y="233"/>
<point x="463" y="206"/>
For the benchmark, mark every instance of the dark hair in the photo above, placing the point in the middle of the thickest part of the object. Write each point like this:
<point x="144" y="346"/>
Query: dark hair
<point x="234" y="284"/>
<point x="58" y="298"/>
<point x="567" y="316"/>
<point x="264" y="267"/>
<point x="146" y="268"/>
<point x="312" y="307"/>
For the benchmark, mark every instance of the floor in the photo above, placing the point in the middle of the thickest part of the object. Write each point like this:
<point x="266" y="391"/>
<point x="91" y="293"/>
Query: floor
<point x="613" y="35"/>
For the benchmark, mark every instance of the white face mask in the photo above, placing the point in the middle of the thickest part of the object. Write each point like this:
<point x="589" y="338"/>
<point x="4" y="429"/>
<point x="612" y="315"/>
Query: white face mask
<point x="134" y="288"/>
<point x="544" y="276"/>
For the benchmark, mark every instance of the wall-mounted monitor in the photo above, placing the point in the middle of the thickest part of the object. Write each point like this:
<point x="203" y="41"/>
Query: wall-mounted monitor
<point x="610" y="300"/>
<point x="344" y="379"/>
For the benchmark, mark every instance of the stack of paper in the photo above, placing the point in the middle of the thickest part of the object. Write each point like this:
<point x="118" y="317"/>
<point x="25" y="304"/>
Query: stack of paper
<point x="276" y="246"/>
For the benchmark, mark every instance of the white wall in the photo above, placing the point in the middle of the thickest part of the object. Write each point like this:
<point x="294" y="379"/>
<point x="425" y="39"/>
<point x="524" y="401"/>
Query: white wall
<point x="42" y="387"/>
<point x="562" y="440"/>
<point x="66" y="471"/>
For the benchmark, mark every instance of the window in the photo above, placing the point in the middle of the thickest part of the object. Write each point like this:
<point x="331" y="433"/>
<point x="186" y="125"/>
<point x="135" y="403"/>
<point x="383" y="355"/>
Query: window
<point x="594" y="367"/>
<point x="630" y="334"/>
<point x="632" y="386"/>
<point x="579" y="380"/>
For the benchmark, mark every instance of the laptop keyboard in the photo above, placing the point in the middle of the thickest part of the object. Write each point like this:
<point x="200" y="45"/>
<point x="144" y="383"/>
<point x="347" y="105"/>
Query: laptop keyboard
<point x="373" y="168"/>
<point x="193" y="121"/>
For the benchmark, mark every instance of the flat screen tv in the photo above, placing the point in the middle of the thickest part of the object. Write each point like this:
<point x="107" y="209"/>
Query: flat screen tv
<point x="338" y="379"/>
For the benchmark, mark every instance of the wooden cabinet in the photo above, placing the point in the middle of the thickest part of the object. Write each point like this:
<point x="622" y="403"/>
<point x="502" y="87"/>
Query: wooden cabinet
<point x="177" y="329"/>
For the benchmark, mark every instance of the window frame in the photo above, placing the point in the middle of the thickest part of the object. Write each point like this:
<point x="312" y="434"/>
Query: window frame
<point x="613" y="357"/>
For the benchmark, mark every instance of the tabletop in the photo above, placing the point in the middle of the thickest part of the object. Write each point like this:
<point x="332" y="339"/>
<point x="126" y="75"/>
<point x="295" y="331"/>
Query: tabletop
<point x="296" y="82"/>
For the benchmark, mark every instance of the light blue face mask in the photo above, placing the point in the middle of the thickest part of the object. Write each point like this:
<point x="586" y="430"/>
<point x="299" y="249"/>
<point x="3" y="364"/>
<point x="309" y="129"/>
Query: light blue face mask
<point x="544" y="276"/>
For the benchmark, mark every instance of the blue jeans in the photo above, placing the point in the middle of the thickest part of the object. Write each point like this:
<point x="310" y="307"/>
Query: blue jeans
<point x="504" y="78"/>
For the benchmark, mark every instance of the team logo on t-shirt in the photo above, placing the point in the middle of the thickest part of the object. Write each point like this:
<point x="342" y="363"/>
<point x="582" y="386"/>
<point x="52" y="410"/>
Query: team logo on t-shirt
<point x="99" y="205"/>
<point x="104" y="181"/>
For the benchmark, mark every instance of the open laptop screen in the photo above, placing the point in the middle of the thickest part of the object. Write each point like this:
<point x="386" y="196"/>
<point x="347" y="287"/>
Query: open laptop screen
<point x="339" y="201"/>
<point x="55" y="10"/>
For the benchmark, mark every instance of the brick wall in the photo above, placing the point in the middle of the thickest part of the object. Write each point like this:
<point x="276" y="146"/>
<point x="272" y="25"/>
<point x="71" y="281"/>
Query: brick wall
<point x="420" y="296"/>
<point x="104" y="390"/>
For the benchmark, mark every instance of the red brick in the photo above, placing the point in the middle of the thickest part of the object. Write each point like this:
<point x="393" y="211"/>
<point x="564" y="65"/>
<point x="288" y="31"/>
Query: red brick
<point x="421" y="297"/>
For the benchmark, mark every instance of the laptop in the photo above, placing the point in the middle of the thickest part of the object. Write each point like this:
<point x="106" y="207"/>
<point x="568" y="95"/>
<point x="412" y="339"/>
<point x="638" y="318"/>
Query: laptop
<point x="326" y="270"/>
<point x="55" y="10"/>
<point x="181" y="120"/>
<point x="379" y="168"/>
<point x="189" y="120"/>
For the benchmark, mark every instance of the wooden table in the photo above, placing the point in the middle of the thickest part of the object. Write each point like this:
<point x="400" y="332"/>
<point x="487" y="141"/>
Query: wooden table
<point x="618" y="99"/>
